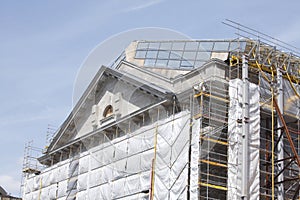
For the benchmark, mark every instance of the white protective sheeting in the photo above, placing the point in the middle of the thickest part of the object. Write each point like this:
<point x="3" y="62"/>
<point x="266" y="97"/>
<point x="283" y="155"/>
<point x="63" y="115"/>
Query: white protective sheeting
<point x="28" y="186"/>
<point x="82" y="195"/>
<point x="62" y="172"/>
<point x="82" y="181"/>
<point x="53" y="176"/>
<point x="171" y="163"/>
<point x="96" y="159"/>
<point x="46" y="178"/>
<point x="84" y="164"/>
<point x="235" y="140"/>
<point x="95" y="177"/>
<point x="52" y="191"/>
<point x="194" y="176"/>
<point x="35" y="195"/>
<point x="36" y="183"/>
<point x="62" y="188"/>
<point x="121" y="168"/>
<point x="290" y="98"/>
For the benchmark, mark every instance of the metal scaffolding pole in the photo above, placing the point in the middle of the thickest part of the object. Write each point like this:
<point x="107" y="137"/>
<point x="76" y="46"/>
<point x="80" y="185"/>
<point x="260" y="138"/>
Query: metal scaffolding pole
<point x="280" y="145"/>
<point x="245" y="134"/>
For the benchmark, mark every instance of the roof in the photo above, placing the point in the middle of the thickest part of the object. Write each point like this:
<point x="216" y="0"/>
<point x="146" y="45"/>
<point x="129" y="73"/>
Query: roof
<point x="2" y="191"/>
<point x="183" y="54"/>
<point x="191" y="54"/>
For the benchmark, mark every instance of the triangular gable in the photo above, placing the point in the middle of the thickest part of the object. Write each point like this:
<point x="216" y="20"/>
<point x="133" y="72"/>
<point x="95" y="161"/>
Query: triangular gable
<point x="108" y="88"/>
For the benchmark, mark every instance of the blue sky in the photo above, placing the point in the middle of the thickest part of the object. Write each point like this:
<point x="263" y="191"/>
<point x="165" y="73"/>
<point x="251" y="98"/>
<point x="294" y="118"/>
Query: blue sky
<point x="44" y="43"/>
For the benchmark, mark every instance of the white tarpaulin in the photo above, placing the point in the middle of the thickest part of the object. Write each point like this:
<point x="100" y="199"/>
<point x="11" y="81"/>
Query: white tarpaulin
<point x="121" y="168"/>
<point x="290" y="99"/>
<point x="172" y="158"/>
<point x="235" y="140"/>
<point x="194" y="177"/>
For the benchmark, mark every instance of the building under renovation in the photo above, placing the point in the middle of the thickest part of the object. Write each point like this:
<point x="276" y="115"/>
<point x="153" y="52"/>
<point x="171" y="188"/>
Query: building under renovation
<point x="5" y="196"/>
<point x="194" y="119"/>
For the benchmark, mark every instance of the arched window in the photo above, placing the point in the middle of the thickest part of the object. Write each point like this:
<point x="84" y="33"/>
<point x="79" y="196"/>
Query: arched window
<point x="108" y="111"/>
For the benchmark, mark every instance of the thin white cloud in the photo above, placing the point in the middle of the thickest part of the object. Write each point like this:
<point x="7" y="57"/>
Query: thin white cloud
<point x="66" y="30"/>
<point x="11" y="121"/>
<point x="144" y="4"/>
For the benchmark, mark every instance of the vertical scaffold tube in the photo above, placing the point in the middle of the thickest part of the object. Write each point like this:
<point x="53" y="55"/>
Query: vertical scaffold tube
<point x="245" y="134"/>
<point x="153" y="165"/>
<point x="280" y="146"/>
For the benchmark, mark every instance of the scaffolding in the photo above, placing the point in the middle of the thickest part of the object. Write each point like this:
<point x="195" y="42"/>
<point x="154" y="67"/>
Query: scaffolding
<point x="211" y="108"/>
<point x="279" y="172"/>
<point x="279" y="163"/>
<point x="51" y="130"/>
<point x="213" y="112"/>
<point x="30" y="163"/>
<point x="208" y="105"/>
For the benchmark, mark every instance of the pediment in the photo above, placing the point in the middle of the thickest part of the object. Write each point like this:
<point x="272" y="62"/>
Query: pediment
<point x="110" y="96"/>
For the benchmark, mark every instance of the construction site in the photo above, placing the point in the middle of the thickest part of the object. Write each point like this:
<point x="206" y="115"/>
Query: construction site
<point x="180" y="119"/>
